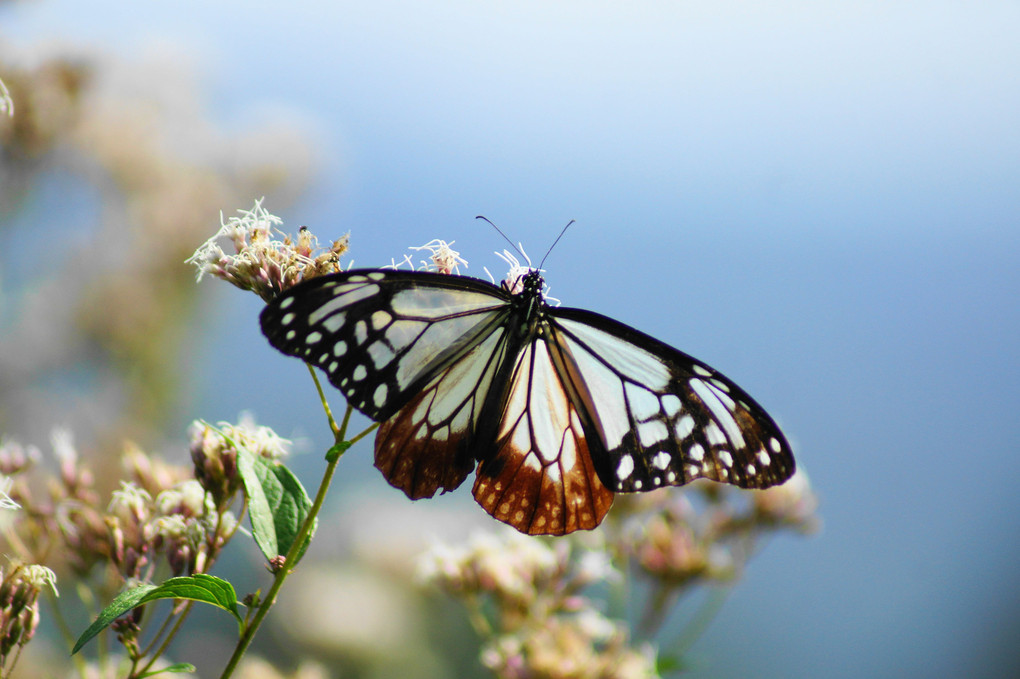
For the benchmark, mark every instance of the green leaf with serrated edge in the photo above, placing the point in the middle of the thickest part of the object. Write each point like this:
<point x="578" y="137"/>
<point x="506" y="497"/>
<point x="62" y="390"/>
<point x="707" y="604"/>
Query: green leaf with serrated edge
<point x="288" y="502"/>
<point x="177" y="668"/>
<point x="263" y="527"/>
<point x="201" y="587"/>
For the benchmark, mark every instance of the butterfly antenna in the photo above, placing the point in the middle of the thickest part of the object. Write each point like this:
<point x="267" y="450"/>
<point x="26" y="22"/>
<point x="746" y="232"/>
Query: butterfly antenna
<point x="504" y="236"/>
<point x="554" y="243"/>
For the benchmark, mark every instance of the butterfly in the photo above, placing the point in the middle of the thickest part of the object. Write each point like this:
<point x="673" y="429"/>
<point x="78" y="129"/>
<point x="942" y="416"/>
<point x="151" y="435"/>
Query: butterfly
<point x="555" y="409"/>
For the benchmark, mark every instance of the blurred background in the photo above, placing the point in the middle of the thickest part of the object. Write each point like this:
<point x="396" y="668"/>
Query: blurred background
<point x="822" y="200"/>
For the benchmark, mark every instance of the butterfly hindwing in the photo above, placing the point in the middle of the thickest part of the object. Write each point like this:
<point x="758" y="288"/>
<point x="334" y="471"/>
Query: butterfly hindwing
<point x="540" y="478"/>
<point x="428" y="444"/>
<point x="664" y="417"/>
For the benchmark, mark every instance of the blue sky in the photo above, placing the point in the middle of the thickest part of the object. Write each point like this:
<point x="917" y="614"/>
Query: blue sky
<point x="822" y="200"/>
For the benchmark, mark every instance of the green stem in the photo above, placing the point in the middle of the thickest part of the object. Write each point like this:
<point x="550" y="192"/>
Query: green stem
<point x="290" y="560"/>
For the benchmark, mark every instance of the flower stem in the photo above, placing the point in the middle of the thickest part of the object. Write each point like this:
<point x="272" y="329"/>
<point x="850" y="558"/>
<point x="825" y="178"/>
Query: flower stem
<point x="290" y="561"/>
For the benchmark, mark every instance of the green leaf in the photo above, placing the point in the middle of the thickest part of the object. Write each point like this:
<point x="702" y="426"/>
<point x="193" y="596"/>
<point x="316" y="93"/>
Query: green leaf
<point x="260" y="514"/>
<point x="178" y="668"/>
<point x="277" y="504"/>
<point x="201" y="587"/>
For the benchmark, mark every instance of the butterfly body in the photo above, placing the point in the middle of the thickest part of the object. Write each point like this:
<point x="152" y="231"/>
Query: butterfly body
<point x="555" y="408"/>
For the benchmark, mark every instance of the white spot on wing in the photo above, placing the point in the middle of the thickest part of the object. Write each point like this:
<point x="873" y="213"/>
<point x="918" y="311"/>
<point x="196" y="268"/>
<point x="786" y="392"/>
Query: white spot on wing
<point x="683" y="427"/>
<point x="714" y="434"/>
<point x="696" y="452"/>
<point x="285" y="304"/>
<point x="360" y="373"/>
<point x="725" y="458"/>
<point x="671" y="404"/>
<point x="333" y="323"/>
<point x="625" y="468"/>
<point x="764" y="458"/>
<point x="313" y="337"/>
<point x="775" y="445"/>
<point x="661" y="459"/>
<point x="651" y="432"/>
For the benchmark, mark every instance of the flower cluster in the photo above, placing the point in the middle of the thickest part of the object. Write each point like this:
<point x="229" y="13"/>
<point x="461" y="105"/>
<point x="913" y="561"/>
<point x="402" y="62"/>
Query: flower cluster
<point x="526" y="598"/>
<point x="263" y="263"/>
<point x="20" y="587"/>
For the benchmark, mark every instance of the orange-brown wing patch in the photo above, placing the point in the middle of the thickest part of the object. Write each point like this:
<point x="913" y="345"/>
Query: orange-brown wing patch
<point x="426" y="446"/>
<point x="541" y="479"/>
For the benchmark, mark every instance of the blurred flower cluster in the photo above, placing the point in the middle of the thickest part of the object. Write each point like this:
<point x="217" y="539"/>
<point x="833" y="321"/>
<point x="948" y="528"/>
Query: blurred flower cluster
<point x="118" y="168"/>
<point x="163" y="520"/>
<point x="526" y="599"/>
<point x="540" y="604"/>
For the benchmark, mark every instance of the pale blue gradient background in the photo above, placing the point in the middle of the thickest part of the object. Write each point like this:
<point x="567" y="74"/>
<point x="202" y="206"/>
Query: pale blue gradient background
<point x="820" y="199"/>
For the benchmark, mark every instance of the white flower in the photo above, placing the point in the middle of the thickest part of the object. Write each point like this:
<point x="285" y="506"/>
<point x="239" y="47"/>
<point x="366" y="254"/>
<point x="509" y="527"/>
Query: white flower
<point x="252" y="235"/>
<point x="445" y="259"/>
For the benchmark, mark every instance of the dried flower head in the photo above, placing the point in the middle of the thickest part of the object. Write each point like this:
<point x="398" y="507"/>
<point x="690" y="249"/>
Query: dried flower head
<point x="262" y="262"/>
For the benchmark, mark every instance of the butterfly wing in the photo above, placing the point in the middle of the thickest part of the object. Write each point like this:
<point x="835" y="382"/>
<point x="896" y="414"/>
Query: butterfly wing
<point x="381" y="336"/>
<point x="415" y="350"/>
<point x="654" y="416"/>
<point x="432" y="442"/>
<point x="540" y="478"/>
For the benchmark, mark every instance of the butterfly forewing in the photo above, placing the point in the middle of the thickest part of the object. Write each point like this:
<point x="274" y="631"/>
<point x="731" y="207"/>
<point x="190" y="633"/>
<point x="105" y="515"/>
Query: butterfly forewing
<point x="663" y="417"/>
<point x="381" y="336"/>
